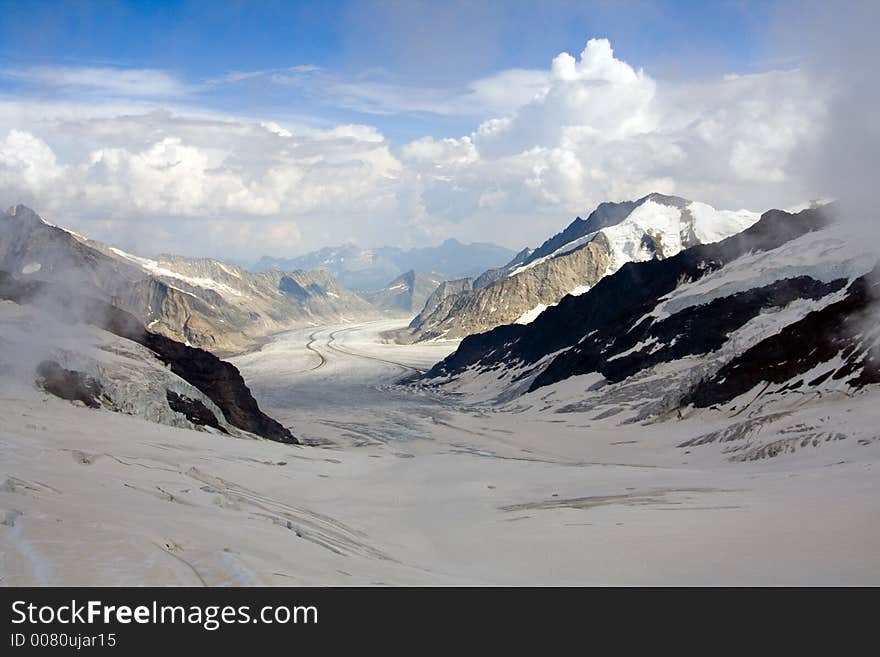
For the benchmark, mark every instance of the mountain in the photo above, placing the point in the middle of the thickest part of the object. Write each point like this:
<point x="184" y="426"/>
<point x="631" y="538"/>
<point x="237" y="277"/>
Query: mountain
<point x="571" y="262"/>
<point x="777" y="315"/>
<point x="201" y="302"/>
<point x="370" y="269"/>
<point x="86" y="350"/>
<point x="406" y="294"/>
<point x="355" y="268"/>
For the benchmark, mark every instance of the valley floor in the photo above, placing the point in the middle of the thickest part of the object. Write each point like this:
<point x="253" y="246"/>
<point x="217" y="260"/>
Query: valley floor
<point x="402" y="485"/>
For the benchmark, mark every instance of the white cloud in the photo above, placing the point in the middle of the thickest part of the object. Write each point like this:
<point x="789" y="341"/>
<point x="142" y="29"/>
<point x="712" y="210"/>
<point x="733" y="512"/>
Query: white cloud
<point x="440" y="153"/>
<point x="114" y="81"/>
<point x="27" y="164"/>
<point x="375" y="93"/>
<point x="552" y="144"/>
<point x="129" y="174"/>
<point x="597" y="97"/>
<point x="840" y="59"/>
<point x="603" y="130"/>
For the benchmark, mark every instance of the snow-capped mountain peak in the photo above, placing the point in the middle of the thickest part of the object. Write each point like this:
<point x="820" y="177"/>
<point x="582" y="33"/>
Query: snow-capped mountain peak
<point x="655" y="226"/>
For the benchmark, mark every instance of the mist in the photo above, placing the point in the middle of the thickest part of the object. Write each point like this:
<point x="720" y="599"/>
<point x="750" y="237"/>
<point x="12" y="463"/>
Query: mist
<point x="836" y="45"/>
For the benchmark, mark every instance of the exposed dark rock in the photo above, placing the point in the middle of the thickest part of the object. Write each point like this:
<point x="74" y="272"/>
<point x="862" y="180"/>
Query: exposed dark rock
<point x="194" y="410"/>
<point x="574" y="259"/>
<point x="407" y="293"/>
<point x="696" y="330"/>
<point x="591" y="328"/>
<point x="293" y="289"/>
<point x="69" y="384"/>
<point x="219" y="380"/>
<point x="837" y="329"/>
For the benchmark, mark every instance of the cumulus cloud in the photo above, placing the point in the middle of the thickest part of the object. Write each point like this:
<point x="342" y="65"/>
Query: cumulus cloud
<point x="27" y="165"/>
<point x="440" y="153"/>
<point x="548" y="144"/>
<point x="129" y="171"/>
<point x="195" y="178"/>
<point x="603" y="130"/>
<point x="596" y="96"/>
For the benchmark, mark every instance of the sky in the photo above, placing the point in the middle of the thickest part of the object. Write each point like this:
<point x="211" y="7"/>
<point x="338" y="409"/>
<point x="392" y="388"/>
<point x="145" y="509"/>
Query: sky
<point x="241" y="129"/>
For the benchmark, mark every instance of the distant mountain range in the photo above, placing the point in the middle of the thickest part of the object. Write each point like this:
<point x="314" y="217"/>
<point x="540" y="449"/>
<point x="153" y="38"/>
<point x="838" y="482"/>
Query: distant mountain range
<point x="363" y="270"/>
<point x="571" y="262"/>
<point x="406" y="294"/>
<point x="200" y="302"/>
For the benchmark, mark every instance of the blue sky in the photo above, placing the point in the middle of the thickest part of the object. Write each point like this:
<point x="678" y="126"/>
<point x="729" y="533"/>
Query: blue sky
<point x="238" y="129"/>
<point x="407" y="44"/>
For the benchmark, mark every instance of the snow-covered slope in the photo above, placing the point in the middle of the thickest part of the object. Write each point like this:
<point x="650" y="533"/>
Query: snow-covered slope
<point x="132" y="379"/>
<point x="93" y="354"/>
<point x="220" y="381"/>
<point x="653" y="227"/>
<point x="775" y="311"/>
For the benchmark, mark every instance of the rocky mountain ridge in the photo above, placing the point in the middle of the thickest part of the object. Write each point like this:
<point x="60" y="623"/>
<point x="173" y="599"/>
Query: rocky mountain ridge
<point x="570" y="262"/>
<point x="783" y="309"/>
<point x="202" y="302"/>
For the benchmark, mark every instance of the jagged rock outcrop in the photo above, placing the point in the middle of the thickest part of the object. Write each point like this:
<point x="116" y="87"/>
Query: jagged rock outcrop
<point x="69" y="384"/>
<point x="219" y="380"/>
<point x="653" y="227"/>
<point x="194" y="410"/>
<point x="440" y="296"/>
<point x="469" y="311"/>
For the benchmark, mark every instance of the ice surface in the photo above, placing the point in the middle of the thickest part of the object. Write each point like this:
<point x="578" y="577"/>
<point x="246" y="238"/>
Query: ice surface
<point x="414" y="485"/>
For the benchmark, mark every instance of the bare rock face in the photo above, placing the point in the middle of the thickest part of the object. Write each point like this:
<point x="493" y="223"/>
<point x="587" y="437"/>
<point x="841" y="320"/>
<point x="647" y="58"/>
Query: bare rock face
<point x="439" y="301"/>
<point x="68" y="384"/>
<point x="406" y="294"/>
<point x="220" y="381"/>
<point x="194" y="410"/>
<point x="846" y="330"/>
<point x="571" y="262"/>
<point x="457" y="315"/>
<point x="197" y="301"/>
<point x="225" y="309"/>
